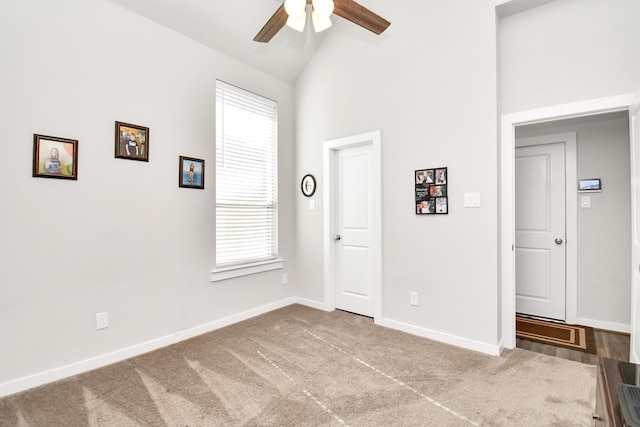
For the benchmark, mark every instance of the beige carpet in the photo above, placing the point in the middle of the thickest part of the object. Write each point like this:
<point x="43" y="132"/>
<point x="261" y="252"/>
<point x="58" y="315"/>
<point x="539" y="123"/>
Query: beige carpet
<point x="302" y="367"/>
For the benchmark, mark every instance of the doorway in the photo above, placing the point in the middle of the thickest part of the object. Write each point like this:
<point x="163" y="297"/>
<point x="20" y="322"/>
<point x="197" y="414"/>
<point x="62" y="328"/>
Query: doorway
<point x="545" y="214"/>
<point x="507" y="193"/>
<point x="352" y="226"/>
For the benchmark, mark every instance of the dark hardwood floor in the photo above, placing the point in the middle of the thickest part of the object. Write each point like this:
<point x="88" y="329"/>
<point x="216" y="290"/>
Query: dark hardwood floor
<point x="613" y="345"/>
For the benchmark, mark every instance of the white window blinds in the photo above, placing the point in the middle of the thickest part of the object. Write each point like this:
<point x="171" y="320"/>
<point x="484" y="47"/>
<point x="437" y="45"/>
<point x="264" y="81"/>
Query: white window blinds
<point x="246" y="153"/>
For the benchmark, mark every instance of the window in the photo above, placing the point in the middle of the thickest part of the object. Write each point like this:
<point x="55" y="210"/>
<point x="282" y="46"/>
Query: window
<point x="246" y="153"/>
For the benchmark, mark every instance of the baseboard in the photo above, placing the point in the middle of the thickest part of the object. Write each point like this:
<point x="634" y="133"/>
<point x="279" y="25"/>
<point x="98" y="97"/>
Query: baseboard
<point x="311" y="303"/>
<point x="607" y="326"/>
<point x="25" y="383"/>
<point x="493" y="350"/>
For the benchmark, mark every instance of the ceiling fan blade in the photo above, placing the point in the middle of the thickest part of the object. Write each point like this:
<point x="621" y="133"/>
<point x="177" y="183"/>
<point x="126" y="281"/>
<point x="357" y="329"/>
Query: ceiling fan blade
<point x="273" y="25"/>
<point x="360" y="15"/>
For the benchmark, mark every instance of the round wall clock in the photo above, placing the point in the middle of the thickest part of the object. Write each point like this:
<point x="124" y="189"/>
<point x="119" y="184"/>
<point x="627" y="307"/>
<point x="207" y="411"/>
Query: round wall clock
<point x="308" y="185"/>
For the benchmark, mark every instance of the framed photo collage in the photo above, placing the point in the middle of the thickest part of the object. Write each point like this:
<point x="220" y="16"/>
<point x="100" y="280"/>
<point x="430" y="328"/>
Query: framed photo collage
<point x="431" y="193"/>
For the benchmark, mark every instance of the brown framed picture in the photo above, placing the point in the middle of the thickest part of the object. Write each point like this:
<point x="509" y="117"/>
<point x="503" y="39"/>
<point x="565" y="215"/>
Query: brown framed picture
<point x="55" y="157"/>
<point x="191" y="173"/>
<point x="132" y="142"/>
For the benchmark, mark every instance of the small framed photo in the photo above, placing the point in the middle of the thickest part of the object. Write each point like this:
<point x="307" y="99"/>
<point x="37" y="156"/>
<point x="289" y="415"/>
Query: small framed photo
<point x="55" y="157"/>
<point x="132" y="142"/>
<point x="308" y="185"/>
<point x="191" y="173"/>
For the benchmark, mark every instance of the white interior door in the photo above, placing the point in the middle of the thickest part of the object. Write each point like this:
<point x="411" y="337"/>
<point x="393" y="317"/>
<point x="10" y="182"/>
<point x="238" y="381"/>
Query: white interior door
<point x="353" y="255"/>
<point x="540" y="229"/>
<point x="634" y="124"/>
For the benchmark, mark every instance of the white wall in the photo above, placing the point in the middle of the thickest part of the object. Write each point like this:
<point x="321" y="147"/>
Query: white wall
<point x="604" y="229"/>
<point x="568" y="51"/>
<point x="123" y="238"/>
<point x="429" y="84"/>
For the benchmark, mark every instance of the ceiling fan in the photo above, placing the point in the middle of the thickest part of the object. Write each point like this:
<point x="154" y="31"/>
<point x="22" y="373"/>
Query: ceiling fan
<point x="294" y="14"/>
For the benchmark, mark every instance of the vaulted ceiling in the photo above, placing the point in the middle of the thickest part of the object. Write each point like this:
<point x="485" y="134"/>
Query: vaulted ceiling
<point x="229" y="27"/>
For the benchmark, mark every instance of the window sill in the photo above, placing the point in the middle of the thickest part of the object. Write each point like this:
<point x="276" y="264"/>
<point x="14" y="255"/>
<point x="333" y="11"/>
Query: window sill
<point x="245" y="269"/>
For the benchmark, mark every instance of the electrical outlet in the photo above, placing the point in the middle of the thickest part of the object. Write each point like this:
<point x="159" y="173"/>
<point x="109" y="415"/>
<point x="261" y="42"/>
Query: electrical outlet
<point x="413" y="298"/>
<point x="102" y="320"/>
<point x="285" y="278"/>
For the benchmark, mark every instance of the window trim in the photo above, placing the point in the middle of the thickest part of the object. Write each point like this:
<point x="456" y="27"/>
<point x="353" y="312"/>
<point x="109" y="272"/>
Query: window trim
<point x="239" y="270"/>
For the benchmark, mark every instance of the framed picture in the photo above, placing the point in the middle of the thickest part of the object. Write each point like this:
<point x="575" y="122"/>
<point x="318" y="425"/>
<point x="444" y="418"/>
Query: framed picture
<point x="191" y="173"/>
<point x="132" y="142"/>
<point x="431" y="192"/>
<point x="55" y="157"/>
<point x="308" y="185"/>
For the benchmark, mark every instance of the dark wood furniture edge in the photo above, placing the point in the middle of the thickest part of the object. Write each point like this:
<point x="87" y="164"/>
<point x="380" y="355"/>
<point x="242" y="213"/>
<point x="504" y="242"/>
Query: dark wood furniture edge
<point x="608" y="376"/>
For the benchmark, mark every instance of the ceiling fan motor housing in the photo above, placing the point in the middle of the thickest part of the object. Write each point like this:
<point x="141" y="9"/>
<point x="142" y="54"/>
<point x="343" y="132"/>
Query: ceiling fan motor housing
<point x="294" y="14"/>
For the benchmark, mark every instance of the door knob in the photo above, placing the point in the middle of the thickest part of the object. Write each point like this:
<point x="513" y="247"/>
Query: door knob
<point x="558" y="241"/>
<point x="338" y="237"/>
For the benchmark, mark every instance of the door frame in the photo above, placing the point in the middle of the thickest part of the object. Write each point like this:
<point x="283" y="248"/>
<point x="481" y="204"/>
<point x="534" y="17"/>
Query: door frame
<point x="330" y="148"/>
<point x="634" y="135"/>
<point x="508" y="124"/>
<point x="569" y="139"/>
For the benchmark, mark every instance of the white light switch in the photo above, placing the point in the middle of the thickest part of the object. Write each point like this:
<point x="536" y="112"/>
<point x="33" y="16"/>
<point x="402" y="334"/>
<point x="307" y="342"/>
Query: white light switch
<point x="471" y="200"/>
<point x="102" y="320"/>
<point x="585" y="202"/>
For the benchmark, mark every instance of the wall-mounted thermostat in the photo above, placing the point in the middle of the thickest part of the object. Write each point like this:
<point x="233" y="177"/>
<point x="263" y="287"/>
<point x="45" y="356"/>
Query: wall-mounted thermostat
<point x="590" y="185"/>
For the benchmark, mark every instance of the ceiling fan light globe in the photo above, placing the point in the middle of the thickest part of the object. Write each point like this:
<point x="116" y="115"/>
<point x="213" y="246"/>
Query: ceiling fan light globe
<point x="323" y="8"/>
<point x="295" y="7"/>
<point x="320" y="23"/>
<point x="297" y="22"/>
